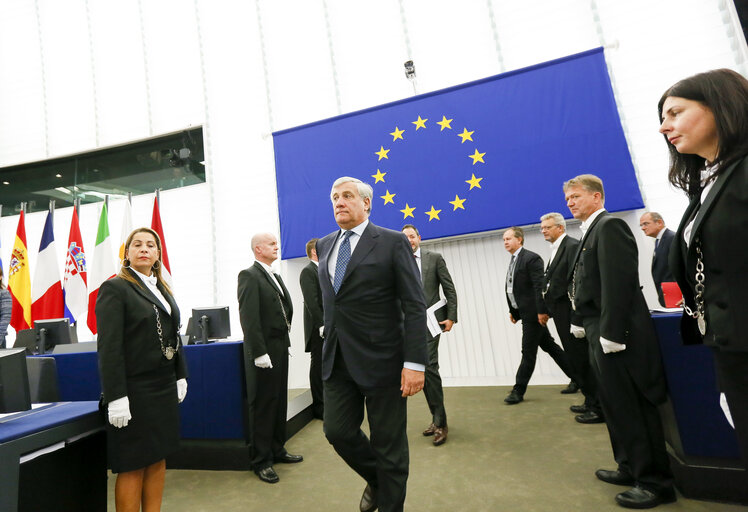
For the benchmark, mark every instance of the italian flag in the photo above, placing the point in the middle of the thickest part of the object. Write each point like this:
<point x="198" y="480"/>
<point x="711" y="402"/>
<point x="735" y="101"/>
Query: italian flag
<point x="102" y="267"/>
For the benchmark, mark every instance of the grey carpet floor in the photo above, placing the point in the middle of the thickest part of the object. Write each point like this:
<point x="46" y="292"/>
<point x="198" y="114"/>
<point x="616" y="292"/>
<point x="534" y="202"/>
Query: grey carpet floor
<point x="530" y="457"/>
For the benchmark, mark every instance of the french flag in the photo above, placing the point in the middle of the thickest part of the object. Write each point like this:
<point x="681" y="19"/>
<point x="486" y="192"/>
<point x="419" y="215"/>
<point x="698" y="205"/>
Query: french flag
<point x="46" y="293"/>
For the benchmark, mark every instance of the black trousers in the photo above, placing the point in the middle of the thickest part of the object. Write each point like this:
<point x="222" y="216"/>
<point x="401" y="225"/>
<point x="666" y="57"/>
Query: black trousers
<point x="577" y="354"/>
<point x="384" y="459"/>
<point x="432" y="388"/>
<point x="315" y="377"/>
<point x="732" y="380"/>
<point x="633" y="422"/>
<point x="535" y="335"/>
<point x="269" y="412"/>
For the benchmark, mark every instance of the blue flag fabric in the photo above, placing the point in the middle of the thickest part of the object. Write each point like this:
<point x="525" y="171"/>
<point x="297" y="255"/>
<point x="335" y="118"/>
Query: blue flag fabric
<point x="472" y="158"/>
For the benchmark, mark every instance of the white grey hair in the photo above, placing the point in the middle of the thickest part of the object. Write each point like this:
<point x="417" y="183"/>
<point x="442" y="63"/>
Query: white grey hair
<point x="558" y="219"/>
<point x="364" y="189"/>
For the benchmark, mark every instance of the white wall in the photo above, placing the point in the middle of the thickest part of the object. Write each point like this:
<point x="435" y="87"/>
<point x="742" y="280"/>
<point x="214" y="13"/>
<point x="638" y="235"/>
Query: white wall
<point x="76" y="75"/>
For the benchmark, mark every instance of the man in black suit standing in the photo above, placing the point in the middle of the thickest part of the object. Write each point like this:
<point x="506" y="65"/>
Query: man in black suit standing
<point x="313" y="325"/>
<point x="606" y="296"/>
<point x="375" y="343"/>
<point x="653" y="225"/>
<point x="563" y="251"/>
<point x="524" y="293"/>
<point x="434" y="273"/>
<point x="265" y="312"/>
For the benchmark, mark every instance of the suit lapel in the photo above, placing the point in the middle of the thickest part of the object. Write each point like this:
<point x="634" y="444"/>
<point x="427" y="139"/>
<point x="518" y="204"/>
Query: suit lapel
<point x="583" y="242"/>
<point x="143" y="290"/>
<point x="715" y="191"/>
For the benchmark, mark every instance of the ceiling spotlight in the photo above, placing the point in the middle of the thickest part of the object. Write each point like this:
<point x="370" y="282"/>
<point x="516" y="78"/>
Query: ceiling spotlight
<point x="58" y="175"/>
<point x="410" y="70"/>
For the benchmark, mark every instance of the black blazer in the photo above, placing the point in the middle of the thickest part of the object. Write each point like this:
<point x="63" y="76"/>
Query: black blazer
<point x="378" y="317"/>
<point x="261" y="313"/>
<point x="660" y="267"/>
<point x="607" y="290"/>
<point x="313" y="319"/>
<point x="128" y="342"/>
<point x="527" y="287"/>
<point x="556" y="280"/>
<point x="434" y="273"/>
<point x="720" y="227"/>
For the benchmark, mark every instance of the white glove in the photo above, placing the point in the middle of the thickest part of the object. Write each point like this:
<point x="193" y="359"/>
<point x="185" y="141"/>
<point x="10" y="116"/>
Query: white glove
<point x="611" y="346"/>
<point x="321" y="331"/>
<point x="577" y="331"/>
<point x="263" y="361"/>
<point x="181" y="390"/>
<point x="726" y="409"/>
<point x="119" y="412"/>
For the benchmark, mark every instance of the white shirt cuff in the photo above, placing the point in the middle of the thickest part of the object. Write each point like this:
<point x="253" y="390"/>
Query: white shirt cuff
<point x="611" y="346"/>
<point x="414" y="366"/>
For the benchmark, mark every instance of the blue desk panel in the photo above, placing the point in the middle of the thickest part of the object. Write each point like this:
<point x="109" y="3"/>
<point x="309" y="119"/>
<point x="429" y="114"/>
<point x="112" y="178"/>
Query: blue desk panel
<point x="692" y="386"/>
<point x="213" y="408"/>
<point x="25" y="423"/>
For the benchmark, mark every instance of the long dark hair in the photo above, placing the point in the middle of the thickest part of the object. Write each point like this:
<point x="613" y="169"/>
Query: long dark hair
<point x="725" y="93"/>
<point x="124" y="271"/>
<point x="2" y="286"/>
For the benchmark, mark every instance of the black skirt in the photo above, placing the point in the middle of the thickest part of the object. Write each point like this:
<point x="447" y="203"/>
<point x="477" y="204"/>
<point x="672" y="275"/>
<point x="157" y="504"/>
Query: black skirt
<point x="153" y="431"/>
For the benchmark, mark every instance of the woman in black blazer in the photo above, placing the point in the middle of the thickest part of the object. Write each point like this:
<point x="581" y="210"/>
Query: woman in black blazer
<point x="705" y="123"/>
<point x="143" y="372"/>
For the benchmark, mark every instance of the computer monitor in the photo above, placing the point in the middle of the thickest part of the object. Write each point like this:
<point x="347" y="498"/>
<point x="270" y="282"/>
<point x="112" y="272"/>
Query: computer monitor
<point x="51" y="333"/>
<point x="15" y="394"/>
<point x="209" y="324"/>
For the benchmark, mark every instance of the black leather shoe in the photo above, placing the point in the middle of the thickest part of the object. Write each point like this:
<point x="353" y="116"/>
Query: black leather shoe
<point x="570" y="389"/>
<point x="513" y="398"/>
<point x="268" y="475"/>
<point x="639" y="497"/>
<point x="579" y="409"/>
<point x="287" y="458"/>
<point x="368" y="500"/>
<point x="590" y="417"/>
<point x="614" y="477"/>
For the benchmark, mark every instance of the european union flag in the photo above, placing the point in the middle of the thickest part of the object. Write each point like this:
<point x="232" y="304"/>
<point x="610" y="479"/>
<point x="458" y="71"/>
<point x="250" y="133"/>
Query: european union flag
<point x="476" y="157"/>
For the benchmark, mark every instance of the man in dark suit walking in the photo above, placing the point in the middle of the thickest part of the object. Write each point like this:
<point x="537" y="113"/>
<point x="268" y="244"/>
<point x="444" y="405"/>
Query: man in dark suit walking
<point x="434" y="273"/>
<point x="556" y="284"/>
<point x="313" y="325"/>
<point x="606" y="296"/>
<point x="375" y="343"/>
<point x="524" y="293"/>
<point x="265" y="312"/>
<point x="653" y="225"/>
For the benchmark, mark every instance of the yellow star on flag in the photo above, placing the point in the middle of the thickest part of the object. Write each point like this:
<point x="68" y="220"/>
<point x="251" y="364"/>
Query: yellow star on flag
<point x="474" y="182"/>
<point x="466" y="135"/>
<point x="388" y="198"/>
<point x="397" y="134"/>
<point x="444" y="123"/>
<point x="408" y="211"/>
<point x="433" y="214"/>
<point x="383" y="153"/>
<point x="477" y="157"/>
<point x="379" y="176"/>
<point x="457" y="203"/>
<point x="420" y="123"/>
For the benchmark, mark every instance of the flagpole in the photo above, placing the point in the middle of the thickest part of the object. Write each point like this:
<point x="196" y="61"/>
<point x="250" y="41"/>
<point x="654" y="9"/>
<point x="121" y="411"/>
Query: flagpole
<point x="129" y="199"/>
<point x="52" y="210"/>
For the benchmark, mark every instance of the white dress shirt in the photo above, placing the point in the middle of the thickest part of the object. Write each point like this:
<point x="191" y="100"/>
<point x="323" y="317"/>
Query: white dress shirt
<point x="554" y="248"/>
<point x="150" y="282"/>
<point x="270" y="272"/>
<point x="353" y="240"/>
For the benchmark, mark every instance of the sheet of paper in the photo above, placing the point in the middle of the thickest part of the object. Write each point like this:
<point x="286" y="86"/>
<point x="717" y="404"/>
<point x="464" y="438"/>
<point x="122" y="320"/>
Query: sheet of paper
<point x="431" y="321"/>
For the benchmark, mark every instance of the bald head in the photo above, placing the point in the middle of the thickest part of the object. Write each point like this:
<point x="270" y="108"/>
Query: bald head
<point x="265" y="247"/>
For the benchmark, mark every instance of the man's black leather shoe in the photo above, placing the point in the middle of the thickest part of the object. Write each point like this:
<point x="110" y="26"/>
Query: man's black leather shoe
<point x="614" y="477"/>
<point x="368" y="500"/>
<point x="590" y="417"/>
<point x="570" y="389"/>
<point x="513" y="398"/>
<point x="639" y="497"/>
<point x="268" y="475"/>
<point x="578" y="409"/>
<point x="287" y="458"/>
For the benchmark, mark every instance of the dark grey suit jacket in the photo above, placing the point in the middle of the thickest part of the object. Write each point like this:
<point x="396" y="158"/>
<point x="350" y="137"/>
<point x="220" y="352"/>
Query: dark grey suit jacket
<point x="528" y="287"/>
<point x="313" y="319"/>
<point x="378" y="317"/>
<point x="434" y="273"/>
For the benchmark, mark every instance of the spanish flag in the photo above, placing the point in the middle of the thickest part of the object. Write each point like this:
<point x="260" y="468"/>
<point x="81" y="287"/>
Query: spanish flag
<point x="19" y="280"/>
